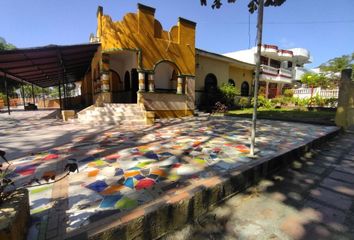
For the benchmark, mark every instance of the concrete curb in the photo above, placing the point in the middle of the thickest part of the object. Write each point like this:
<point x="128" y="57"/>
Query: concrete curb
<point x="165" y="214"/>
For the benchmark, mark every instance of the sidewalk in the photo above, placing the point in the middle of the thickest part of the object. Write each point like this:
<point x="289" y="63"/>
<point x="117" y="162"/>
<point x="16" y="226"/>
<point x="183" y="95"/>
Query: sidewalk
<point x="312" y="200"/>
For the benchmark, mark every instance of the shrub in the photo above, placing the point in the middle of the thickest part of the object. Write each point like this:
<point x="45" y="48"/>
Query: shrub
<point x="288" y="93"/>
<point x="331" y="102"/>
<point x="243" y="102"/>
<point x="229" y="92"/>
<point x="263" y="102"/>
<point x="2" y="96"/>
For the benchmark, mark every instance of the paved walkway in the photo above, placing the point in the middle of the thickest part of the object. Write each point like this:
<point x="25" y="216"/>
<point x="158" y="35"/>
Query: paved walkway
<point x="312" y="200"/>
<point x="26" y="132"/>
<point x="123" y="169"/>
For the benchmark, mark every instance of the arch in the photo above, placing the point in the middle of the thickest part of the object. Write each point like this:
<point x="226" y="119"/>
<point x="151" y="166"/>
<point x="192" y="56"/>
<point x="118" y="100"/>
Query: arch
<point x="245" y="89"/>
<point x="231" y="82"/>
<point x="168" y="62"/>
<point x="165" y="76"/>
<point x="127" y="81"/>
<point x="210" y="83"/>
<point x="116" y="85"/>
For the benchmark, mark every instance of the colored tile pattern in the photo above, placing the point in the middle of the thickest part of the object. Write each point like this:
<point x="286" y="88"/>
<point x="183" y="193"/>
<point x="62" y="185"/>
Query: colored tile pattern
<point x="122" y="169"/>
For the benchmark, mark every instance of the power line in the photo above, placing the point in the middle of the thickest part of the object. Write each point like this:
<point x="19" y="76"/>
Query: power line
<point x="285" y="23"/>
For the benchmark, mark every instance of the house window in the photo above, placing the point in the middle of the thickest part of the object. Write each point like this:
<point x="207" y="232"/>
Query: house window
<point x="232" y="82"/>
<point x="274" y="63"/>
<point x="245" y="89"/>
<point x="264" y="60"/>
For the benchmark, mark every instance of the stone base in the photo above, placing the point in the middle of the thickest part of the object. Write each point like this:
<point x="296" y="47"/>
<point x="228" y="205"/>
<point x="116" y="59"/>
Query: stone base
<point x="14" y="216"/>
<point x="67" y="114"/>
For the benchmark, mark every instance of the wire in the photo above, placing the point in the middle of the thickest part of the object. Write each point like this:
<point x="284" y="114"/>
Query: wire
<point x="285" y="23"/>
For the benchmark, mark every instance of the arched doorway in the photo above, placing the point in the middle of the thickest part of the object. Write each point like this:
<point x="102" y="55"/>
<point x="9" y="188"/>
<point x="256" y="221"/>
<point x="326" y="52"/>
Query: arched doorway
<point x="165" y="77"/>
<point x="231" y="82"/>
<point x="210" y="83"/>
<point x="126" y="81"/>
<point x="134" y="85"/>
<point x="116" y="86"/>
<point x="210" y="95"/>
<point x="245" y="89"/>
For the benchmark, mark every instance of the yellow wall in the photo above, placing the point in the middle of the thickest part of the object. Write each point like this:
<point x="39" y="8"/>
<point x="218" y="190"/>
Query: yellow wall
<point x="240" y="75"/>
<point x="141" y="31"/>
<point x="223" y="72"/>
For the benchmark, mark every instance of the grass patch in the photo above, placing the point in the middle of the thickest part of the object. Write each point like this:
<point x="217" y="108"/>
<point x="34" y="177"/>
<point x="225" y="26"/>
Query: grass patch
<point x="288" y="114"/>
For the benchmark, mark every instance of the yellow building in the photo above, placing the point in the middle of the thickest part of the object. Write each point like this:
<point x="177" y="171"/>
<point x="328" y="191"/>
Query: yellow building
<point x="162" y="71"/>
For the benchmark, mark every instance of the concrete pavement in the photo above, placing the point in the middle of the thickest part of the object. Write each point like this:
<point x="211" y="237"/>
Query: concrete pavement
<point x="312" y="200"/>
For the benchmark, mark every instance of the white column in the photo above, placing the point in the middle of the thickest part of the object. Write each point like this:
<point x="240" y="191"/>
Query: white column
<point x="267" y="89"/>
<point x="179" y="85"/>
<point x="141" y="82"/>
<point x="151" y="82"/>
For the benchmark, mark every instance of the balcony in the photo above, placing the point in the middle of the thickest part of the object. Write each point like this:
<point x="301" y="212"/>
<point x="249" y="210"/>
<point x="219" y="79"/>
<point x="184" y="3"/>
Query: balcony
<point x="273" y="74"/>
<point x="285" y="55"/>
<point x="269" y="70"/>
<point x="285" y="73"/>
<point x="301" y="55"/>
<point x="269" y="50"/>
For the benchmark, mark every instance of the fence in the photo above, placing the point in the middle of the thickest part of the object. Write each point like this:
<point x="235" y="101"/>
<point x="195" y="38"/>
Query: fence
<point x="47" y="103"/>
<point x="323" y="93"/>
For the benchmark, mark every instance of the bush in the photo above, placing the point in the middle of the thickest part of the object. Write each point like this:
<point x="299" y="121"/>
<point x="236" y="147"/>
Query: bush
<point x="331" y="102"/>
<point x="229" y="92"/>
<point x="2" y="96"/>
<point x="243" y="102"/>
<point x="288" y="93"/>
<point x="263" y="102"/>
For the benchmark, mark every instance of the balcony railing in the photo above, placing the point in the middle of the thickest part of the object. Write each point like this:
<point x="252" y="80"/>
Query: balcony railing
<point x="269" y="69"/>
<point x="285" y="73"/>
<point x="276" y="74"/>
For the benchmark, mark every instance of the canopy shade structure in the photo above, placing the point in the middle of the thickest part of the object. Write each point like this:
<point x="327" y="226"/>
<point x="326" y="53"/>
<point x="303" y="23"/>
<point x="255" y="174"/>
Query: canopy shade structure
<point x="46" y="66"/>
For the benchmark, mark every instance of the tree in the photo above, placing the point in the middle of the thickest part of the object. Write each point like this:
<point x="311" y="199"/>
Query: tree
<point x="252" y="5"/>
<point x="313" y="80"/>
<point x="334" y="66"/>
<point x="5" y="45"/>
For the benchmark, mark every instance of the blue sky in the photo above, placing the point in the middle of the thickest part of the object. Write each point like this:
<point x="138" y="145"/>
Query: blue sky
<point x="325" y="27"/>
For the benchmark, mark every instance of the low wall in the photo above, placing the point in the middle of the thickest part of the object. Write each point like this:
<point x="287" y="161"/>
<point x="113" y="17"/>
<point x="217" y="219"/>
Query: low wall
<point x="15" y="216"/>
<point x="323" y="93"/>
<point x="167" y="105"/>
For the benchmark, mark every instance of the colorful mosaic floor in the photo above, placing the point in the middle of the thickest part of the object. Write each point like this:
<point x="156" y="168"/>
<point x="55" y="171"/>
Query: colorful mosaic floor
<point x="120" y="170"/>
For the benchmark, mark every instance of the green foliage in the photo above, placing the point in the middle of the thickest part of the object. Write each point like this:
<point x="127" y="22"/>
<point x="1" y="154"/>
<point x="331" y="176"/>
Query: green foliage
<point x="5" y="45"/>
<point x="263" y="102"/>
<point x="229" y="93"/>
<point x="2" y="96"/>
<point x="252" y="5"/>
<point x="331" y="102"/>
<point x="243" y="102"/>
<point x="335" y="66"/>
<point x="314" y="80"/>
<point x="288" y="93"/>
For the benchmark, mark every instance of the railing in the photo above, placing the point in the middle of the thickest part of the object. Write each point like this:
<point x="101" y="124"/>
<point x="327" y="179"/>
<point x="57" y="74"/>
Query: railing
<point x="285" y="73"/>
<point x="323" y="93"/>
<point x="269" y="69"/>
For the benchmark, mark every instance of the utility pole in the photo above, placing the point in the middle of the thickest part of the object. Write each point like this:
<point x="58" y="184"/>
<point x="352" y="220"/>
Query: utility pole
<point x="256" y="81"/>
<point x="7" y="94"/>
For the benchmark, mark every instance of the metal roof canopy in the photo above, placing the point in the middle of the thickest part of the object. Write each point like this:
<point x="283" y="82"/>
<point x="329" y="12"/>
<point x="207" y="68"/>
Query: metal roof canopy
<point x="47" y="66"/>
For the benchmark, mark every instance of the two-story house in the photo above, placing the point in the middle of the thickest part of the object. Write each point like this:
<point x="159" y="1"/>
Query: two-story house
<point x="280" y="68"/>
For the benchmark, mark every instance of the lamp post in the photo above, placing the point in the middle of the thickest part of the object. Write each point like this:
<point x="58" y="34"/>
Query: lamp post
<point x="256" y="80"/>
